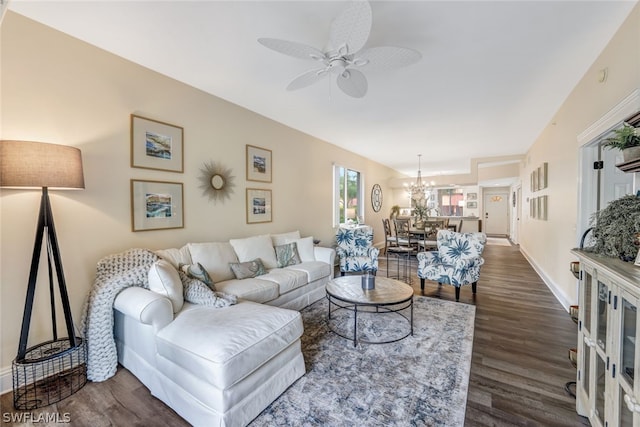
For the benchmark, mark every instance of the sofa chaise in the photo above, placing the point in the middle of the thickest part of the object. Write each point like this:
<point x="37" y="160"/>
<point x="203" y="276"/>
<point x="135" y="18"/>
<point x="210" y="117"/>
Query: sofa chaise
<point x="223" y="366"/>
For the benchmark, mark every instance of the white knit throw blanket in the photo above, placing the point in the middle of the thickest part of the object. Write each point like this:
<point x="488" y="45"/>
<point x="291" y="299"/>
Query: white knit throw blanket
<point x="114" y="273"/>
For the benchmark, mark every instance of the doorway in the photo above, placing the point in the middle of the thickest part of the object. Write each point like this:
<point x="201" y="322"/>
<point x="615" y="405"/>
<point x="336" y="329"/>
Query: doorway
<point x="496" y="212"/>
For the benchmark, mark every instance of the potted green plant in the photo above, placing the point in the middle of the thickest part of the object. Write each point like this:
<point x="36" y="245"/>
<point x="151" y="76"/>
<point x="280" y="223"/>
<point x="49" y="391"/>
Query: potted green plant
<point x="615" y="228"/>
<point x="626" y="139"/>
<point x="420" y="212"/>
<point x="395" y="211"/>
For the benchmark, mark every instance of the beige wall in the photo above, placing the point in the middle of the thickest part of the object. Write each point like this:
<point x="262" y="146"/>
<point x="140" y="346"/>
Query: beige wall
<point x="57" y="89"/>
<point x="547" y="243"/>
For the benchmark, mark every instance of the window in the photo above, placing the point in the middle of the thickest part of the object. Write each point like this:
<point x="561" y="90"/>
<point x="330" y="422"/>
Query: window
<point x="451" y="201"/>
<point x="348" y="197"/>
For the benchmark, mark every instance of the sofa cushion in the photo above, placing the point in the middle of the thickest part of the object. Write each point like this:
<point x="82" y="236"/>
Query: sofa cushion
<point x="215" y="258"/>
<point x="287" y="254"/>
<point x="282" y="238"/>
<point x="165" y="280"/>
<point x="256" y="290"/>
<point x="254" y="247"/>
<point x="247" y="269"/>
<point x="222" y="346"/>
<point x="305" y="248"/>
<point x="175" y="256"/>
<point x="314" y="270"/>
<point x="286" y="279"/>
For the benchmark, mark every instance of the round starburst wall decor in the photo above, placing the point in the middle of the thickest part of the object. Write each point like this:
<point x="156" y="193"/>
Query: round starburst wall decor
<point x="216" y="181"/>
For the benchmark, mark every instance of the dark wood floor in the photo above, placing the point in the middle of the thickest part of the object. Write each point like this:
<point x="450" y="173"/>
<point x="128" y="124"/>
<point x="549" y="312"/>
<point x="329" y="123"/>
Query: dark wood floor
<point x="518" y="370"/>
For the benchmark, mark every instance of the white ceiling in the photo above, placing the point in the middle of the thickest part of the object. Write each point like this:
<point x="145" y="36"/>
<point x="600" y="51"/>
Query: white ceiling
<point x="493" y="73"/>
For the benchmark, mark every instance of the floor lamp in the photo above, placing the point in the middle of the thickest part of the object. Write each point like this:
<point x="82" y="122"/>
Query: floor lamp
<point x="51" y="371"/>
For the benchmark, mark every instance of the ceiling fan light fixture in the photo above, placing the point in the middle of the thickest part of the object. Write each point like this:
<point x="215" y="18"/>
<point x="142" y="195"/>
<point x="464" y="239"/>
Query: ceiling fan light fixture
<point x="359" y="62"/>
<point x="348" y="34"/>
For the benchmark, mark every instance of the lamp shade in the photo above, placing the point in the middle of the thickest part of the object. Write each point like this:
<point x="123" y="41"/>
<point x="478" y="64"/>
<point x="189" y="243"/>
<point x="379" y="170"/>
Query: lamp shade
<point x="26" y="164"/>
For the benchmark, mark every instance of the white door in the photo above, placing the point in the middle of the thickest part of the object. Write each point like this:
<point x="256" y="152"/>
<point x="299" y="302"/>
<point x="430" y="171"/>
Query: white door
<point x="496" y="213"/>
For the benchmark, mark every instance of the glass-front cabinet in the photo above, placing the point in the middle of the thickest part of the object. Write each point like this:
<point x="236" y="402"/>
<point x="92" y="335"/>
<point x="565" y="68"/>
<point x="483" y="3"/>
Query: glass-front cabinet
<point x="627" y="360"/>
<point x="608" y="329"/>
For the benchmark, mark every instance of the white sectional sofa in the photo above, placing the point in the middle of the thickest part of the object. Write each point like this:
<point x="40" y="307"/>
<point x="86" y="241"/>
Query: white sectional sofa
<point x="223" y="366"/>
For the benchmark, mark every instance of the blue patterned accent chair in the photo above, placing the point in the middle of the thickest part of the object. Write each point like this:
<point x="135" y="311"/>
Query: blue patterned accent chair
<point x="457" y="261"/>
<point x="356" y="251"/>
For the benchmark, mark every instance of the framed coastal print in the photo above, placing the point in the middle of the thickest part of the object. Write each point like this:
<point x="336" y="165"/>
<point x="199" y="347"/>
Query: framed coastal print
<point x="258" y="205"/>
<point x="156" y="145"/>
<point x="542" y="208"/>
<point x="472" y="205"/>
<point x="258" y="164"/>
<point x="472" y="196"/>
<point x="156" y="205"/>
<point x="533" y="207"/>
<point x="542" y="176"/>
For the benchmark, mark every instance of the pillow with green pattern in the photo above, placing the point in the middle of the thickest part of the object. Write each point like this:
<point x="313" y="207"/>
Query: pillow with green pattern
<point x="287" y="254"/>
<point x="197" y="271"/>
<point x="248" y="269"/>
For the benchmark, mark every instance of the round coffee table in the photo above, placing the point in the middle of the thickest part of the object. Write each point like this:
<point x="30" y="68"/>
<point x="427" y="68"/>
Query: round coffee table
<point x="388" y="297"/>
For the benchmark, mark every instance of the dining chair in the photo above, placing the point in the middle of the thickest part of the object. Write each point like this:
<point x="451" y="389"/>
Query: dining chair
<point x="389" y="237"/>
<point x="404" y="237"/>
<point x="404" y="247"/>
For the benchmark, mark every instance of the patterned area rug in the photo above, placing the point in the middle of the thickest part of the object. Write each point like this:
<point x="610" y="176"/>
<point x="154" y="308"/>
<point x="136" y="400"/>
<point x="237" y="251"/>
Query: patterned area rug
<point x="421" y="380"/>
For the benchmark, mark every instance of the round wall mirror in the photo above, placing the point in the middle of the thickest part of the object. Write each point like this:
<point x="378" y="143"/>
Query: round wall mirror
<point x="217" y="182"/>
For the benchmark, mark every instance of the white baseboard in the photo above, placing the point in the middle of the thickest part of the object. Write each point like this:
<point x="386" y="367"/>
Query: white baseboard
<point x="6" y="380"/>
<point x="553" y="287"/>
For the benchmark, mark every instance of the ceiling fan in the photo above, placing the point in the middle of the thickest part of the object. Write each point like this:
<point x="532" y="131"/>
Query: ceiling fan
<point x="345" y="56"/>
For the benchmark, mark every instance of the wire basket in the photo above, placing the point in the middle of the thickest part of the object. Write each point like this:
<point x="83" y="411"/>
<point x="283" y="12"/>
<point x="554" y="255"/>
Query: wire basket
<point x="49" y="372"/>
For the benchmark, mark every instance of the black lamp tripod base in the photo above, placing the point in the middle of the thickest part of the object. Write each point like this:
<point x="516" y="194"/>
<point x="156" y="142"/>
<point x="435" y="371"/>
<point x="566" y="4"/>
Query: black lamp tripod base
<point x="48" y="372"/>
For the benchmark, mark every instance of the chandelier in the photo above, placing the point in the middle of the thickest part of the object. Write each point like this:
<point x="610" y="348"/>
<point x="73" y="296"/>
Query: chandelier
<point x="419" y="190"/>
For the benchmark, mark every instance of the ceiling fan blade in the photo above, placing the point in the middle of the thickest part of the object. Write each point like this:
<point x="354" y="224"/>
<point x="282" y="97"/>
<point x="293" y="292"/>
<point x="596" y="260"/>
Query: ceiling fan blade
<point x="297" y="50"/>
<point x="351" y="28"/>
<point x="307" y="79"/>
<point x="386" y="57"/>
<point x="353" y="83"/>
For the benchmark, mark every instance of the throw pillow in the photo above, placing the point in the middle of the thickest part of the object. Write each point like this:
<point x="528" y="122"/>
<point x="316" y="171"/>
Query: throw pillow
<point x="287" y="254"/>
<point x="197" y="271"/>
<point x="165" y="280"/>
<point x="305" y="248"/>
<point x="248" y="269"/>
<point x="196" y="292"/>
<point x="255" y="247"/>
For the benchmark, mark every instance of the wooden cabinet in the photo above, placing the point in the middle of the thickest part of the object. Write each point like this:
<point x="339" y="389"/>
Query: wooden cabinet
<point x="608" y="330"/>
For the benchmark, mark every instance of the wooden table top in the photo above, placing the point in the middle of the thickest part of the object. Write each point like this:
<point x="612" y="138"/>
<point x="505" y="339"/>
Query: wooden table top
<point x="386" y="292"/>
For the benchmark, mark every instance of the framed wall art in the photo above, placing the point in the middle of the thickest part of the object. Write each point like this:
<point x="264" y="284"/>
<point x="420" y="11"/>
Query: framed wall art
<point x="472" y="196"/>
<point x="542" y="208"/>
<point x="156" y="145"/>
<point x="156" y="205"/>
<point x="258" y="164"/>
<point x="533" y="207"/>
<point x="259" y="207"/>
<point x="542" y="176"/>
<point x="472" y="205"/>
